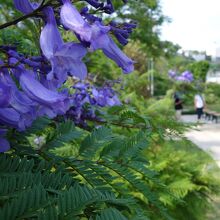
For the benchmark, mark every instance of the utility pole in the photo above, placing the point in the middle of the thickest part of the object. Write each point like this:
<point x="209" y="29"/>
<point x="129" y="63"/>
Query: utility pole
<point x="152" y="77"/>
<point x="150" y="86"/>
<point x="149" y="75"/>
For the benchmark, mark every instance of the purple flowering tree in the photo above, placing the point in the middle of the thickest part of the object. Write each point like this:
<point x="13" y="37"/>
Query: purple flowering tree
<point x="185" y="77"/>
<point x="39" y="89"/>
<point x="54" y="164"/>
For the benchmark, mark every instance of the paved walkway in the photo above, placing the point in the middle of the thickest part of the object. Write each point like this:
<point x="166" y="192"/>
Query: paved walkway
<point x="207" y="136"/>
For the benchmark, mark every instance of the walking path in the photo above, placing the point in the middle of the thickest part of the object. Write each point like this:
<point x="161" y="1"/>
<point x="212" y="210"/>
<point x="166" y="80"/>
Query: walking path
<point x="207" y="136"/>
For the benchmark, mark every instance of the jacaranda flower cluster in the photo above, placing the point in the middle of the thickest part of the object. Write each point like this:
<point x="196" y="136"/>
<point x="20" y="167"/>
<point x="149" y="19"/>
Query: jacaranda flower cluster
<point x="31" y="87"/>
<point x="185" y="76"/>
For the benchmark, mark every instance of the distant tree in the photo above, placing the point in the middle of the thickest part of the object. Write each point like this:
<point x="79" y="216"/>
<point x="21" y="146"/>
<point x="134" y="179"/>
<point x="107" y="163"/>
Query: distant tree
<point x="170" y="49"/>
<point x="136" y="52"/>
<point x="148" y="15"/>
<point x="199" y="69"/>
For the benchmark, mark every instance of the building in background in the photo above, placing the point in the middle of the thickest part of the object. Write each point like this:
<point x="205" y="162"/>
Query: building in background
<point x="213" y="76"/>
<point x="217" y="55"/>
<point x="196" y="55"/>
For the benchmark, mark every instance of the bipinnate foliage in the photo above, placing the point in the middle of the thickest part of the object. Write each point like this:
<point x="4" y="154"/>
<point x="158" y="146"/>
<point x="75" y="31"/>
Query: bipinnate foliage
<point x="78" y="174"/>
<point x="123" y="170"/>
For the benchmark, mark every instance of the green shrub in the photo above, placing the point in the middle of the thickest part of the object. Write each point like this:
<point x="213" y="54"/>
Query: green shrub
<point x="191" y="177"/>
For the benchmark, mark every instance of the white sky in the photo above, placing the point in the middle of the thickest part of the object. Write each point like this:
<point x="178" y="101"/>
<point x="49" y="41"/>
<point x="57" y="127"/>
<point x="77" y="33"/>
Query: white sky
<point x="195" y="24"/>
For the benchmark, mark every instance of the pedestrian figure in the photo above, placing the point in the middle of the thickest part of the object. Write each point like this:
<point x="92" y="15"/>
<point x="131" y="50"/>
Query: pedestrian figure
<point x="178" y="106"/>
<point x="199" y="104"/>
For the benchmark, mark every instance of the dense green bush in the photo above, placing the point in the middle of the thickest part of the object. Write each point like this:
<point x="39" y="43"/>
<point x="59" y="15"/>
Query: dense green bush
<point x="190" y="175"/>
<point x="212" y="96"/>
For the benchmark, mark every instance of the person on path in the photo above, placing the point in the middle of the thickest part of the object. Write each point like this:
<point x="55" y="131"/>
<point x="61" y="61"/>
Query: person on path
<point x="178" y="106"/>
<point x="199" y="104"/>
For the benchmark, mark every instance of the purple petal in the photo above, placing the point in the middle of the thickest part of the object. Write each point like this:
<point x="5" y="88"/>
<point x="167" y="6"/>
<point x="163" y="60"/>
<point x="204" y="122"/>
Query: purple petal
<point x="112" y="51"/>
<point x="37" y="91"/>
<point x="4" y="145"/>
<point x="68" y="59"/>
<point x="171" y="73"/>
<point x="3" y="131"/>
<point x="43" y="110"/>
<point x="10" y="117"/>
<point x="101" y="40"/>
<point x="50" y="38"/>
<point x="25" y="6"/>
<point x="21" y="102"/>
<point x="5" y="94"/>
<point x="71" y="18"/>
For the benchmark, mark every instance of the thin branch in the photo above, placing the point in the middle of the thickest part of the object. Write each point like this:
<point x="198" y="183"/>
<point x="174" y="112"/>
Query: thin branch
<point x="35" y="13"/>
<point x="14" y="22"/>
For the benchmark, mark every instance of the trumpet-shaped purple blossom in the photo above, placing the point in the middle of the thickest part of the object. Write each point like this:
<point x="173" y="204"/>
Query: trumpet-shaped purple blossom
<point x="105" y="97"/>
<point x="95" y="34"/>
<point x="188" y="76"/>
<point x="5" y="95"/>
<point x="64" y="57"/>
<point x="37" y="92"/>
<point x="11" y="117"/>
<point x="29" y="85"/>
<point x="71" y="18"/>
<point x="87" y="98"/>
<point x="185" y="76"/>
<point x="101" y="40"/>
<point x="25" y="6"/>
<point x="172" y="73"/>
<point x="4" y="144"/>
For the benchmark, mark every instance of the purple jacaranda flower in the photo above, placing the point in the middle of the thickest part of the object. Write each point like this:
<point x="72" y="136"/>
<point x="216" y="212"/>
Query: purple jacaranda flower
<point x="17" y="100"/>
<point x="50" y="39"/>
<point x="20" y="102"/>
<point x="106" y="7"/>
<point x="11" y="117"/>
<point x="187" y="75"/>
<point x="18" y="69"/>
<point x="105" y="96"/>
<point x="68" y="59"/>
<point x="64" y="57"/>
<point x="99" y="97"/>
<point x="94" y="3"/>
<point x="180" y="78"/>
<point x="71" y="18"/>
<point x="171" y="73"/>
<point x="87" y="99"/>
<point x="25" y="106"/>
<point x="25" y="6"/>
<point x="101" y="40"/>
<point x="59" y="103"/>
<point x="81" y="86"/>
<point x="96" y="34"/>
<point x="5" y="94"/>
<point x="122" y="31"/>
<point x="21" y="59"/>
<point x="4" y="145"/>
<point x="89" y="17"/>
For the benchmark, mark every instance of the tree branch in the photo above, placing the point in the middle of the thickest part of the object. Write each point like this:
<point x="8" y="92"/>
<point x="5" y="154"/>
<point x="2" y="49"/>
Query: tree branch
<point x="35" y="13"/>
<point x="14" y="22"/>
